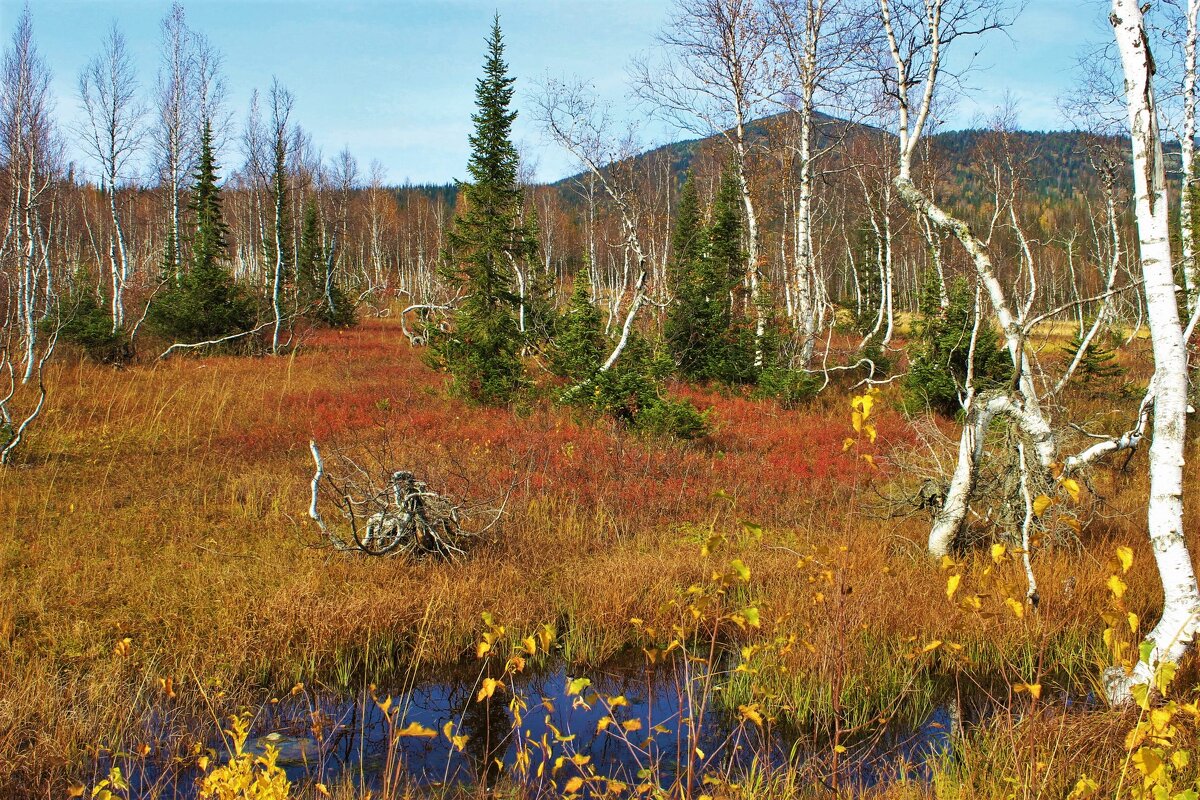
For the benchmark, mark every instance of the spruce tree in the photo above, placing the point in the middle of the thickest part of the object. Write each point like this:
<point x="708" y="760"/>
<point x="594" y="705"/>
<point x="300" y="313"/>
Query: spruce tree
<point x="1097" y="360"/>
<point x="683" y="328"/>
<point x="83" y="319"/>
<point x="310" y="285"/>
<point x="204" y="302"/>
<point x="483" y="350"/>
<point x="705" y="268"/>
<point x="541" y="320"/>
<point x="941" y="345"/>
<point x="317" y="294"/>
<point x="732" y="355"/>
<point x="278" y="245"/>
<point x="578" y="348"/>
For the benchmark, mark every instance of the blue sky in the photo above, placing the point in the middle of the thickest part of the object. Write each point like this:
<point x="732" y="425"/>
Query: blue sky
<point x="395" y="80"/>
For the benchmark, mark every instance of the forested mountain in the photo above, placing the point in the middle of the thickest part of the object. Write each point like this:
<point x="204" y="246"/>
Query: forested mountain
<point x="1055" y="162"/>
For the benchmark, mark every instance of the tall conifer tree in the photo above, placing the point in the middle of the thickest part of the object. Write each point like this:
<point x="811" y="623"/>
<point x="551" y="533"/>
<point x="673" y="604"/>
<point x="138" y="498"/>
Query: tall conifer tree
<point x="487" y="237"/>
<point x="705" y="268"/>
<point x="204" y="302"/>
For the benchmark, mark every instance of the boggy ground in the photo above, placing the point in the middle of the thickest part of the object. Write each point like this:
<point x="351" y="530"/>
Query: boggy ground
<point x="160" y="570"/>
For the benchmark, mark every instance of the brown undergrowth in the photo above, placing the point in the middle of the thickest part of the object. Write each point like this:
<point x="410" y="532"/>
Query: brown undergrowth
<point x="160" y="571"/>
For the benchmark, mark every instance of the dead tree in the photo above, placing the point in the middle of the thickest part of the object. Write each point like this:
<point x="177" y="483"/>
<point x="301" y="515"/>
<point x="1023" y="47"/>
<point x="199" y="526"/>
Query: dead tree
<point x="399" y="515"/>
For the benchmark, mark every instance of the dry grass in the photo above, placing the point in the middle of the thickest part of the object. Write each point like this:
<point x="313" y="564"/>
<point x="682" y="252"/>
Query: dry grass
<point x="166" y="504"/>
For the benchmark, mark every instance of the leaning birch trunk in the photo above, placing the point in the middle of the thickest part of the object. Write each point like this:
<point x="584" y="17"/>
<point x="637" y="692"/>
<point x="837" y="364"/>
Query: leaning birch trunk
<point x="639" y="295"/>
<point x="1171" y="637"/>
<point x="1024" y="408"/>
<point x="949" y="520"/>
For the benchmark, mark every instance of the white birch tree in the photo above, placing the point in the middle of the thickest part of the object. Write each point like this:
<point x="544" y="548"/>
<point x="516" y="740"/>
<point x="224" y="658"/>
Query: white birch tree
<point x="714" y="79"/>
<point x="1173" y="633"/>
<point x="111" y="134"/>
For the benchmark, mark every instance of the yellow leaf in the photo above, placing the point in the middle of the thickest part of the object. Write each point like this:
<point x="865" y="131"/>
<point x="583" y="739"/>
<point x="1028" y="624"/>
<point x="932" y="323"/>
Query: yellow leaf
<point x="1133" y="622"/>
<point x="847" y="444"/>
<point x="573" y="785"/>
<point x="871" y="433"/>
<point x="546" y="637"/>
<point x="75" y="790"/>
<point x="1072" y="488"/>
<point x="530" y="645"/>
<point x="865" y="402"/>
<point x="1125" y="556"/>
<point x="870" y="459"/>
<point x="482" y="649"/>
<point x="490" y="685"/>
<point x="323" y="789"/>
<point x="946" y="563"/>
<point x="1034" y="689"/>
<point x="632" y="725"/>
<point x="1148" y="762"/>
<point x="998" y="551"/>
<point x="934" y="645"/>
<point x="1084" y="788"/>
<point x="1040" y="504"/>
<point x="1117" y="586"/>
<point x="856" y="420"/>
<point x="1016" y="606"/>
<point x="459" y="742"/>
<point x="952" y="585"/>
<point x="418" y="730"/>
<point x="751" y="713"/>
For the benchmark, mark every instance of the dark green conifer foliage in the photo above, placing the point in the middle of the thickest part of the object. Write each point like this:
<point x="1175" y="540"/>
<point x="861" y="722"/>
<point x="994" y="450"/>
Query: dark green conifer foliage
<point x="703" y="335"/>
<point x="631" y="393"/>
<point x="205" y="302"/>
<point x="278" y="243"/>
<point x="310" y="260"/>
<point x="733" y="355"/>
<point x="940" y="348"/>
<point x="578" y="348"/>
<point x="1098" y="361"/>
<point x="83" y="319"/>
<point x="170" y="265"/>
<point x="541" y="319"/>
<point x="687" y="324"/>
<point x="483" y="350"/>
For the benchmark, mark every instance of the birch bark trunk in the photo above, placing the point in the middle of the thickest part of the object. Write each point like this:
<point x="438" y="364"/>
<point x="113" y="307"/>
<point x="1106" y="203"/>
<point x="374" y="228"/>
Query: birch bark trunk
<point x="1173" y="634"/>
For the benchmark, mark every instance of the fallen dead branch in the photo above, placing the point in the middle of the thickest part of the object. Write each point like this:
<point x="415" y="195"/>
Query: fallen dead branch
<point x="399" y="515"/>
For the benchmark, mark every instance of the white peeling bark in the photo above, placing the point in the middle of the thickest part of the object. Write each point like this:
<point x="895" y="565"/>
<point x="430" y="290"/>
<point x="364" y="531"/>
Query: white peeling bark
<point x="1187" y="154"/>
<point x="1173" y="634"/>
<point x="639" y="295"/>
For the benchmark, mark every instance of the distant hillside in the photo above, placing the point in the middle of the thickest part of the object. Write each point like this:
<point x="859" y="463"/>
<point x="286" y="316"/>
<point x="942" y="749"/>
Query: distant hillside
<point x="1056" y="161"/>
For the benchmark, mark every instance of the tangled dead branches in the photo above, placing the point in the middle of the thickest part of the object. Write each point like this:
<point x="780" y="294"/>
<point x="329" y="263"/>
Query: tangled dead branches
<point x="400" y="517"/>
<point x="998" y="508"/>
